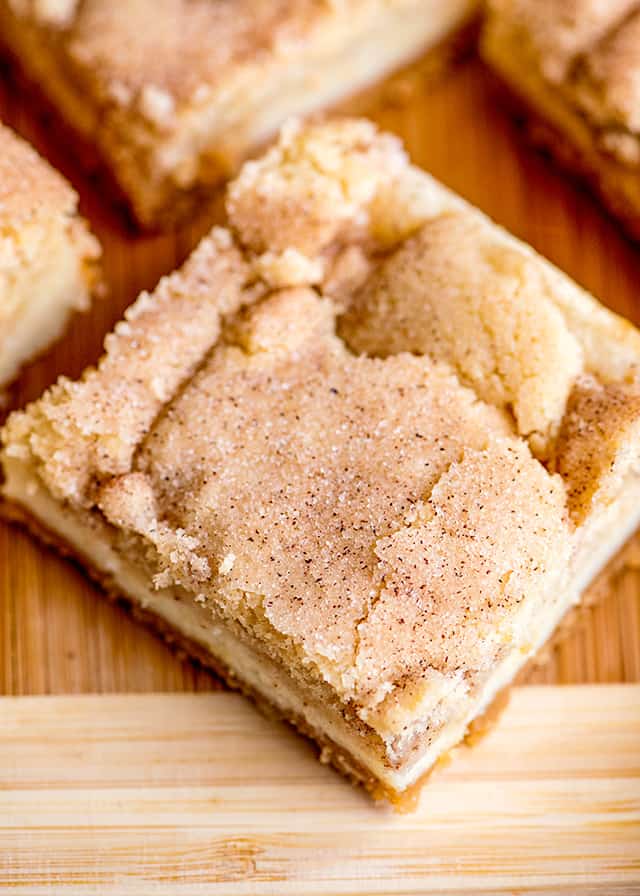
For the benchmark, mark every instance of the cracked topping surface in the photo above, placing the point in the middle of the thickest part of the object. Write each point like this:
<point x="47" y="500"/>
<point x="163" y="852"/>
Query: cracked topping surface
<point x="436" y="295"/>
<point x="349" y="465"/>
<point x="590" y="49"/>
<point x="330" y="453"/>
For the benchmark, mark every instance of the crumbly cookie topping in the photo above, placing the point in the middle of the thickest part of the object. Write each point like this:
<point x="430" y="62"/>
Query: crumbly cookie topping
<point x="341" y="465"/>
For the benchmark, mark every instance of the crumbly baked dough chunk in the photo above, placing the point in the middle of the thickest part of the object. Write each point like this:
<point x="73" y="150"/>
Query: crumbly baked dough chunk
<point x="173" y="93"/>
<point x="576" y="65"/>
<point x="365" y="494"/>
<point x="47" y="255"/>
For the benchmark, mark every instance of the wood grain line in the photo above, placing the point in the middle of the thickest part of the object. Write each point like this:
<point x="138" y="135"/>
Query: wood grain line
<point x="189" y="794"/>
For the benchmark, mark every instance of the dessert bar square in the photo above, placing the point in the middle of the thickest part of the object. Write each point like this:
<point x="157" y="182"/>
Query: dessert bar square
<point x="47" y="255"/>
<point x="361" y="454"/>
<point x="173" y="93"/>
<point x="575" y="68"/>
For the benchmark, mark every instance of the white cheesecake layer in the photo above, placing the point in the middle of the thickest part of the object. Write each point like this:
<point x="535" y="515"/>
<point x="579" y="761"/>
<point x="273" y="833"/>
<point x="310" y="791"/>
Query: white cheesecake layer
<point x="36" y="302"/>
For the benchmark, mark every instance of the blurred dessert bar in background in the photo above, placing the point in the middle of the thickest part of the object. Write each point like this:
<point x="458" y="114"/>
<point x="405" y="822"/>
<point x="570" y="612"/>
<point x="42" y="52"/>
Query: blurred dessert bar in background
<point x="173" y="94"/>
<point x="48" y="257"/>
<point x="574" y="68"/>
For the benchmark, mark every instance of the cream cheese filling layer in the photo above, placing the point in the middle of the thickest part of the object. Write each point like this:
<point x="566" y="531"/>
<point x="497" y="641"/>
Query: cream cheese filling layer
<point x="36" y="303"/>
<point x="606" y="535"/>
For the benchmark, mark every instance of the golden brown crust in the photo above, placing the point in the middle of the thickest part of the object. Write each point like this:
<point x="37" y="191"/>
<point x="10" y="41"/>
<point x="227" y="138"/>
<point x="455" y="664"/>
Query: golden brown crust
<point x="102" y="418"/>
<point x="437" y="295"/>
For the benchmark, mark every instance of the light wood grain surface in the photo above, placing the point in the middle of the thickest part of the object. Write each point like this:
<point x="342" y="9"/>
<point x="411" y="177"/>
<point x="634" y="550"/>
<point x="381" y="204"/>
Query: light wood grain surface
<point x="55" y="636"/>
<point x="198" y="794"/>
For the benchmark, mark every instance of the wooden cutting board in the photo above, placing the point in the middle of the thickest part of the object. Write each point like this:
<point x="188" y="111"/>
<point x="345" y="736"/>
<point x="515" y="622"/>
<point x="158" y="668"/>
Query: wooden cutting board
<point x="198" y="794"/>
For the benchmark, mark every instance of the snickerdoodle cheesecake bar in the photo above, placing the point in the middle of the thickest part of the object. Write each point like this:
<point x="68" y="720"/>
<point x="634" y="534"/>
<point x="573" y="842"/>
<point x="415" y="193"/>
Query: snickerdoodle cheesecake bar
<point x="361" y="454"/>
<point x="47" y="255"/>
<point x="574" y="66"/>
<point x="172" y="94"/>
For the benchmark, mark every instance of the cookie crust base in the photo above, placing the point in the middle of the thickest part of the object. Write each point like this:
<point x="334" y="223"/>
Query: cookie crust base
<point x="329" y="751"/>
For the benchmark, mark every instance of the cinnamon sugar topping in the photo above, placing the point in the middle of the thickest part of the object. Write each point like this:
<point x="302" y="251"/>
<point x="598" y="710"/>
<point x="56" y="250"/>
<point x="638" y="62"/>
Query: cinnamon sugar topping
<point x="341" y="466"/>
